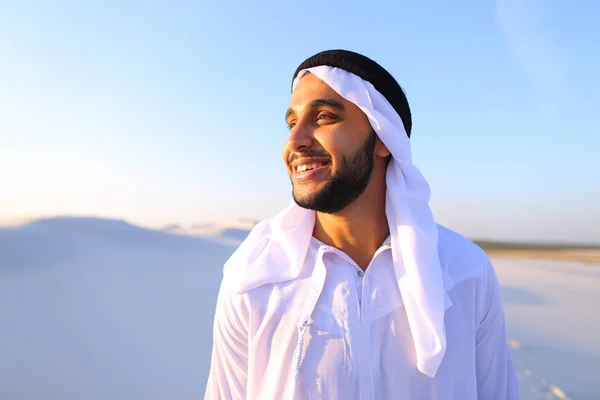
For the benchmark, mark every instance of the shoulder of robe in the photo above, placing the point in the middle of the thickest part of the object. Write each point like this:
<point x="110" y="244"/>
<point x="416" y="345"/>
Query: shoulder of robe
<point x="258" y="261"/>
<point x="460" y="257"/>
<point x="240" y="259"/>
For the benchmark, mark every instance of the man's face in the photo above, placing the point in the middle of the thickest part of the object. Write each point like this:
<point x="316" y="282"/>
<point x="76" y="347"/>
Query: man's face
<point x="330" y="150"/>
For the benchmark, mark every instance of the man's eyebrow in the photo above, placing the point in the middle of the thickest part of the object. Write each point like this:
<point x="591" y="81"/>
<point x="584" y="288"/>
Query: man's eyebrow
<point x="288" y="113"/>
<point x="319" y="103"/>
<point x="327" y="103"/>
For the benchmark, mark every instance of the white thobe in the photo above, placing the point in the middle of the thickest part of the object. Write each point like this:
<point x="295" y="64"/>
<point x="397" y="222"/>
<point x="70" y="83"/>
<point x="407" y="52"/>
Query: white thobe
<point x="358" y="343"/>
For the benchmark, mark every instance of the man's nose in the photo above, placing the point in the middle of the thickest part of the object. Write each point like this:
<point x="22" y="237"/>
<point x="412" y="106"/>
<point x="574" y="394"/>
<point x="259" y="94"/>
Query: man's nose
<point x="301" y="136"/>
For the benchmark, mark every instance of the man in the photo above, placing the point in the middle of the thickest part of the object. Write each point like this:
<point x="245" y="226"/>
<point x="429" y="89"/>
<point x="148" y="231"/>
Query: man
<point x="353" y="291"/>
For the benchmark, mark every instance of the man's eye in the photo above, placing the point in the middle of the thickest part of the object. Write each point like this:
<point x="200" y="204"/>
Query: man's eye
<point x="325" y="117"/>
<point x="291" y="125"/>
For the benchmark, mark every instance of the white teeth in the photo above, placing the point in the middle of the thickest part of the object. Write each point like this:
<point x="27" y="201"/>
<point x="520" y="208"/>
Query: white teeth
<point x="304" y="167"/>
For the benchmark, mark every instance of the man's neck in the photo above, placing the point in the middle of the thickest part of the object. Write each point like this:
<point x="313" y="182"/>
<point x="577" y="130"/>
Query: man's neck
<point x="359" y="230"/>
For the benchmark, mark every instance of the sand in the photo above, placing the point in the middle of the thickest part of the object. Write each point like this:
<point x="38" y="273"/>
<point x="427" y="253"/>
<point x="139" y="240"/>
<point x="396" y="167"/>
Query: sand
<point x="96" y="309"/>
<point x="553" y="322"/>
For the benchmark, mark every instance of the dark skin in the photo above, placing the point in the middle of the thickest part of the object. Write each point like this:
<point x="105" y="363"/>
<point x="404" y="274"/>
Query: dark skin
<point x="323" y="122"/>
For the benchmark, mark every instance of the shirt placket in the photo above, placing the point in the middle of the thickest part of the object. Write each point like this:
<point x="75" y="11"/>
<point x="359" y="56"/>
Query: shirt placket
<point x="362" y="331"/>
<point x="366" y="386"/>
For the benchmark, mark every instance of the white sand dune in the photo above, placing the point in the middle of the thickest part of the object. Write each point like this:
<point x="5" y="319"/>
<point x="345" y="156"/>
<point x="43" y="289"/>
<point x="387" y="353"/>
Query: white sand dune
<point x="100" y="309"/>
<point x="95" y="309"/>
<point x="232" y="232"/>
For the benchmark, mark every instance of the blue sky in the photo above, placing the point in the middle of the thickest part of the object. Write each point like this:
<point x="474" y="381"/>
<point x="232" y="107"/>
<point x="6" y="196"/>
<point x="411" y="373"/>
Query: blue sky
<point x="172" y="112"/>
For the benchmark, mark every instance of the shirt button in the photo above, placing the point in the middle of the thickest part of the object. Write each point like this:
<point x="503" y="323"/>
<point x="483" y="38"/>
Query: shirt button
<point x="360" y="273"/>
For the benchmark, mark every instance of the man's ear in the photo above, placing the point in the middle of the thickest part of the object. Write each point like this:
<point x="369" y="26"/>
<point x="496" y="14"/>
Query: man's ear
<point x="380" y="149"/>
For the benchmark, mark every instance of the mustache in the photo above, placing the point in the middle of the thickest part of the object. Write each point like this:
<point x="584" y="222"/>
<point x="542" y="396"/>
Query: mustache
<point x="310" y="153"/>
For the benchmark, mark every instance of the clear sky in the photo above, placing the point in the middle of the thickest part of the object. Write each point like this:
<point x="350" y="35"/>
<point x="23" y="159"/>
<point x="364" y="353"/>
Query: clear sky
<point x="172" y="112"/>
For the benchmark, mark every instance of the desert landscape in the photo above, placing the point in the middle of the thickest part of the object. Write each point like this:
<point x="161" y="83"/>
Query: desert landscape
<point x="102" y="309"/>
<point x="133" y="134"/>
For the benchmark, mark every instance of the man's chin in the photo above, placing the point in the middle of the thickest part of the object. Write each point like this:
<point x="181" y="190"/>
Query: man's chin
<point x="306" y="200"/>
<point x="307" y="190"/>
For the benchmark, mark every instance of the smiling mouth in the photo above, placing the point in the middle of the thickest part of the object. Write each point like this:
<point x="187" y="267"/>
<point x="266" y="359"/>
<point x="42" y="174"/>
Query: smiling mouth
<point x="309" y="167"/>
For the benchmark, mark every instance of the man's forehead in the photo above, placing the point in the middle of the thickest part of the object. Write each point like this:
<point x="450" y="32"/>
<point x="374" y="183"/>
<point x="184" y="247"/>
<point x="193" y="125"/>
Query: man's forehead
<point x="310" y="87"/>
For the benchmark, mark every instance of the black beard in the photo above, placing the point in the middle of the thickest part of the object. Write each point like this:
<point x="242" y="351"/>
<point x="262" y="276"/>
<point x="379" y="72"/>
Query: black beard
<point x="347" y="184"/>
